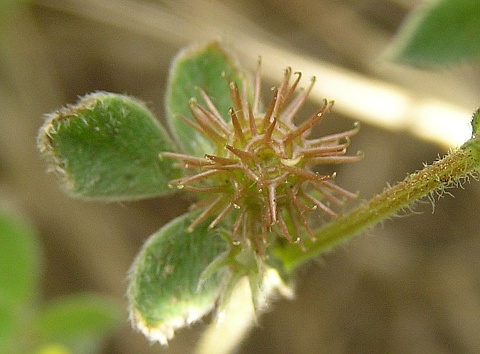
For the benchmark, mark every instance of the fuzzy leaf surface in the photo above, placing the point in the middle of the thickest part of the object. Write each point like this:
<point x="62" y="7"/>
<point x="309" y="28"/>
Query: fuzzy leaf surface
<point x="107" y="147"/>
<point x="165" y="291"/>
<point x="207" y="68"/>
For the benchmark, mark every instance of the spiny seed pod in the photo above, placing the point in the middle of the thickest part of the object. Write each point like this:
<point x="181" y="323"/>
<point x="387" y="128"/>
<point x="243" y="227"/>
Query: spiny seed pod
<point x="261" y="173"/>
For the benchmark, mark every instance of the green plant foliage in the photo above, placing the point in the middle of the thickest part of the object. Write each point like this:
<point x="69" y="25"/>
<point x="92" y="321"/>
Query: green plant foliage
<point x="439" y="32"/>
<point x="165" y="291"/>
<point x="20" y="261"/>
<point x="7" y="328"/>
<point x="253" y="166"/>
<point x="476" y="122"/>
<point x="107" y="147"/>
<point x="205" y="68"/>
<point x="79" y="322"/>
<point x="20" y="268"/>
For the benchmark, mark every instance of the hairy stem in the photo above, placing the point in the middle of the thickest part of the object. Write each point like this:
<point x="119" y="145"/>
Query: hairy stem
<point x="433" y="178"/>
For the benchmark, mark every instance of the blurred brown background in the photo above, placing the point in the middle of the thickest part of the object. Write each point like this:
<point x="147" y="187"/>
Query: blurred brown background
<point x="411" y="285"/>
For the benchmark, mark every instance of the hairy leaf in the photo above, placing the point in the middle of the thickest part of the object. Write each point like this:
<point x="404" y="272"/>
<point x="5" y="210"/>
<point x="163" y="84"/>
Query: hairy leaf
<point x="199" y="68"/>
<point x="107" y="147"/>
<point x="166" y="291"/>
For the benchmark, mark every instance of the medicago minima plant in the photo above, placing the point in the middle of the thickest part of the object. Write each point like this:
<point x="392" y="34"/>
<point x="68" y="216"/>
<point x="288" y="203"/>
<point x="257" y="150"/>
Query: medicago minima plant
<point x="261" y="209"/>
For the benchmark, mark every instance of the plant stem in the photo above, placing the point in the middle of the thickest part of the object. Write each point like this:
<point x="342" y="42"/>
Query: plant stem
<point x="443" y="173"/>
<point x="222" y="336"/>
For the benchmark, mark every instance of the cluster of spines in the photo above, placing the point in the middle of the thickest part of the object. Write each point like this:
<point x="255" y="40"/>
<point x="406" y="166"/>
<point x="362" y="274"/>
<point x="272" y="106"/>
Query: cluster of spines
<point x="262" y="163"/>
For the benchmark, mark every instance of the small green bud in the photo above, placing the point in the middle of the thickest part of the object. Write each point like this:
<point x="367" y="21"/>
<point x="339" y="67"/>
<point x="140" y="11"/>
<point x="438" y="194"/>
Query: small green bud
<point x="167" y="288"/>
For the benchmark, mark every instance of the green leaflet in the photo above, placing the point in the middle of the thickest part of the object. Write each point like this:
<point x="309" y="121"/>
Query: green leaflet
<point x="107" y="147"/>
<point x="438" y="33"/>
<point x="20" y="269"/>
<point x="166" y="289"/>
<point x="79" y="322"/>
<point x="20" y="261"/>
<point x="207" y="68"/>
